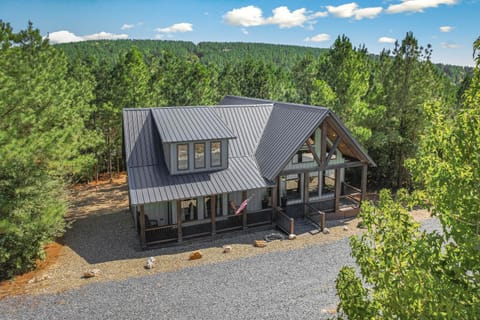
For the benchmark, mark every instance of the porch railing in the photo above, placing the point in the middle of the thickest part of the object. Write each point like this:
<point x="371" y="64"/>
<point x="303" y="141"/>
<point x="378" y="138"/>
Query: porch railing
<point x="284" y="222"/>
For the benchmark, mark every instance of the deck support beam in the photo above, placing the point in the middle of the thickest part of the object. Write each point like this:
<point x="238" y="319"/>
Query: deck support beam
<point x="179" y="221"/>
<point x="143" y="240"/>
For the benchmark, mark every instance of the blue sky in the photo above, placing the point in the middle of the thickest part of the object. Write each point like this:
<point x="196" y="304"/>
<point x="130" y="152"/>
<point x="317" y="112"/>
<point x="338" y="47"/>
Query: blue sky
<point x="450" y="26"/>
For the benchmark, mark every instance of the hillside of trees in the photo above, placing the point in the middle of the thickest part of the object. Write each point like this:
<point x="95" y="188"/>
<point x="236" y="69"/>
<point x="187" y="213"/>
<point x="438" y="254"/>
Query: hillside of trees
<point x="60" y="110"/>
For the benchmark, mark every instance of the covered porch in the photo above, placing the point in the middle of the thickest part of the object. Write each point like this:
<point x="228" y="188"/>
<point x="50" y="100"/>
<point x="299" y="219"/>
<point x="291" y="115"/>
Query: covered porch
<point x="184" y="219"/>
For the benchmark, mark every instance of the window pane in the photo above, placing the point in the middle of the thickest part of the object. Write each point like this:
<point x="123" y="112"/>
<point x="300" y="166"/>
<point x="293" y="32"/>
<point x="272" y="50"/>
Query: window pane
<point x="215" y="151"/>
<point x="182" y="156"/>
<point x="293" y="187"/>
<point x="199" y="155"/>
<point x="189" y="210"/>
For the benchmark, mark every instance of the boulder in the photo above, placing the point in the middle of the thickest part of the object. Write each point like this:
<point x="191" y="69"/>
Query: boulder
<point x="227" y="249"/>
<point x="150" y="263"/>
<point x="345" y="228"/>
<point x="292" y="236"/>
<point x="326" y="231"/>
<point x="195" y="255"/>
<point x="91" y="273"/>
<point x="260" y="243"/>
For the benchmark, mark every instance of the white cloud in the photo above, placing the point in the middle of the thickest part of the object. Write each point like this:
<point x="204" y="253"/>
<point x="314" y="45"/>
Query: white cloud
<point x="349" y="10"/>
<point x="127" y="26"/>
<point x="320" y="14"/>
<point x="318" y="38"/>
<point x="446" y="28"/>
<point x="177" y="27"/>
<point x="244" y="31"/>
<point x="105" y="36"/>
<point x="449" y="45"/>
<point x="417" y="5"/>
<point x="246" y="17"/>
<point x="386" y="40"/>
<point x="64" y="36"/>
<point x="288" y="19"/>
<point x="368" y="13"/>
<point x="252" y="16"/>
<point x="343" y="11"/>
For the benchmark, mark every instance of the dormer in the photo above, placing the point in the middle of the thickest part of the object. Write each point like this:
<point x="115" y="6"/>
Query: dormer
<point x="194" y="139"/>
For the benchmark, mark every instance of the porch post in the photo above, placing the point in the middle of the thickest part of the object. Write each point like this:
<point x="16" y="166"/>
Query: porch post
<point x="338" y="188"/>
<point x="143" y="240"/>
<point x="306" y="180"/>
<point x="275" y="193"/>
<point x="213" y="211"/>
<point x="364" y="182"/>
<point x="244" y="214"/>
<point x="179" y="220"/>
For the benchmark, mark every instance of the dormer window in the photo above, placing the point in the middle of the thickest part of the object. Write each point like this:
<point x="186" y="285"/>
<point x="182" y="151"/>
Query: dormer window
<point x="215" y="154"/>
<point x="199" y="155"/>
<point x="182" y="156"/>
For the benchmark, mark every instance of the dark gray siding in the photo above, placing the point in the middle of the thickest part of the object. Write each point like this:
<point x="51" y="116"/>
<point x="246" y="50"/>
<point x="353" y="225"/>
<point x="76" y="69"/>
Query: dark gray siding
<point x="189" y="124"/>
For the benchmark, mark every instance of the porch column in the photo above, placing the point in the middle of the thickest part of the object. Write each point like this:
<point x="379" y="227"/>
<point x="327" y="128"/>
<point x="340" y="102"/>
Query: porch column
<point x="275" y="193"/>
<point x="213" y="211"/>
<point x="364" y="182"/>
<point x="244" y="214"/>
<point x="179" y="221"/>
<point x="143" y="240"/>
<point x="306" y="180"/>
<point x="338" y="188"/>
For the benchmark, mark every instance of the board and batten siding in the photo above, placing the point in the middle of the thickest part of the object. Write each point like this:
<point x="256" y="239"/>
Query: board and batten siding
<point x="171" y="157"/>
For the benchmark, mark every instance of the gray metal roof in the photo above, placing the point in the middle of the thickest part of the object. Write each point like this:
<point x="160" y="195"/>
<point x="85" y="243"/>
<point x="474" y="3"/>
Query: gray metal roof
<point x="268" y="134"/>
<point x="149" y="184"/>
<point x="247" y="123"/>
<point x="189" y="124"/>
<point x="287" y="130"/>
<point x="140" y="137"/>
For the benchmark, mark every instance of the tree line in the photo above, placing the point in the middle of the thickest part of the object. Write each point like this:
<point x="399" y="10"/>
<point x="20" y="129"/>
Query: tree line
<point x="60" y="109"/>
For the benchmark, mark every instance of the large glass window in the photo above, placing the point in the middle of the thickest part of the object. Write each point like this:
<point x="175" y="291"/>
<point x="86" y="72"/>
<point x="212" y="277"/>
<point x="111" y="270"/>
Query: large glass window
<point x="293" y="187"/>
<point x="313" y="185"/>
<point x="199" y="155"/>
<point x="189" y="209"/>
<point x="182" y="156"/>
<point x="216" y="153"/>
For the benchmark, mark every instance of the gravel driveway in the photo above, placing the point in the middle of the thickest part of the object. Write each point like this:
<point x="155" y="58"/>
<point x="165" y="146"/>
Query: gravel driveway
<point x="296" y="284"/>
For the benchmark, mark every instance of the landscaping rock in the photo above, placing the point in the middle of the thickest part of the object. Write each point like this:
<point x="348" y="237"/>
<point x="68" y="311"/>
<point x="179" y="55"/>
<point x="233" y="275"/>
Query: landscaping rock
<point x="326" y="231"/>
<point x="91" y="273"/>
<point x="195" y="255"/>
<point x="260" y="243"/>
<point x="150" y="263"/>
<point x="345" y="228"/>
<point x="292" y="236"/>
<point x="227" y="249"/>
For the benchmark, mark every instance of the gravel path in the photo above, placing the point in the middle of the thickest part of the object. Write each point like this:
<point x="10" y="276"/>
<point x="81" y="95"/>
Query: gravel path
<point x="296" y="284"/>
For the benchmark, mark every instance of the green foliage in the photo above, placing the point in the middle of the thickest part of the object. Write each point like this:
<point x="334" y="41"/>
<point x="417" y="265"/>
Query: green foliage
<point x="405" y="273"/>
<point x="409" y="274"/>
<point x="43" y="139"/>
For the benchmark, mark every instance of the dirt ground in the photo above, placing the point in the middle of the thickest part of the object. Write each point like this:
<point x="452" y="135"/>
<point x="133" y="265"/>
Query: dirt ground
<point x="103" y="237"/>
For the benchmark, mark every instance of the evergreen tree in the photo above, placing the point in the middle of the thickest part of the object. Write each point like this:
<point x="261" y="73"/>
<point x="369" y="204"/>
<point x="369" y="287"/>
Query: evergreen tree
<point x="43" y="140"/>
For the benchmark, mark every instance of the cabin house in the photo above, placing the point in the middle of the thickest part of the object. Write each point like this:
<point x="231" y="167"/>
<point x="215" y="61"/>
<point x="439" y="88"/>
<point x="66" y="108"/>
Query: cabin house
<point x="191" y="168"/>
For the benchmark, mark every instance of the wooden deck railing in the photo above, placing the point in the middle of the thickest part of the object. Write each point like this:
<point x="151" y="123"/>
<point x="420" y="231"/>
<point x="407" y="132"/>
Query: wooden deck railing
<point x="284" y="222"/>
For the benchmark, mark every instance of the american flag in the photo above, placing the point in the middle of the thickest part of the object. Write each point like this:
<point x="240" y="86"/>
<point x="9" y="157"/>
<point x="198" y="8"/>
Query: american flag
<point x="243" y="205"/>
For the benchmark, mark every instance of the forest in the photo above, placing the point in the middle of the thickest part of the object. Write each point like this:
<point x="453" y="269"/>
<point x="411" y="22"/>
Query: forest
<point x="61" y="105"/>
